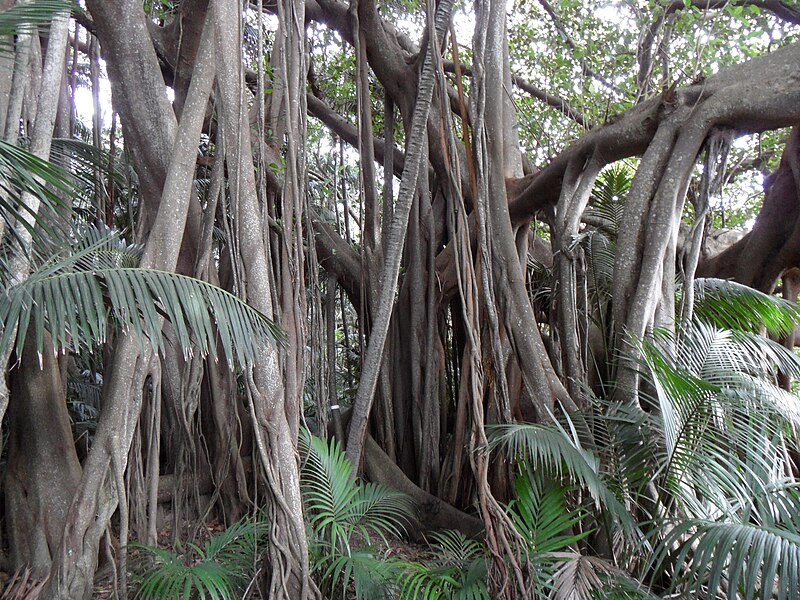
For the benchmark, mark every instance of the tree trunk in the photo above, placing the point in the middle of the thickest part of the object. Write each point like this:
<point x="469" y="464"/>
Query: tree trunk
<point x="43" y="469"/>
<point x="100" y="490"/>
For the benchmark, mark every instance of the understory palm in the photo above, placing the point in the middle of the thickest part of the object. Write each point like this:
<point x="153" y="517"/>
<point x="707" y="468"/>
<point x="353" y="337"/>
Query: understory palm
<point x="222" y="569"/>
<point x="696" y="485"/>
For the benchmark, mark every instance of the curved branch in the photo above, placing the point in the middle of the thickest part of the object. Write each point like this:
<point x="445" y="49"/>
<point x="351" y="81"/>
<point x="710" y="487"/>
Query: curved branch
<point x="336" y="256"/>
<point x="778" y="8"/>
<point x="526" y="86"/>
<point x="349" y="133"/>
<point x="553" y="101"/>
<point x="760" y="94"/>
<point x="753" y="96"/>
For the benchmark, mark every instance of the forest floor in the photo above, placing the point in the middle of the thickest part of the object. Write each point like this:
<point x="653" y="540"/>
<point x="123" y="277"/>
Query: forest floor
<point x="20" y="586"/>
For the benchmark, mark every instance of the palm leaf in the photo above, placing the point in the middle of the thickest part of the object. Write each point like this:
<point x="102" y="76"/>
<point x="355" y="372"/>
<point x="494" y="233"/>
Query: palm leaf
<point x="540" y="515"/>
<point x="426" y="581"/>
<point x="85" y="162"/>
<point x="21" y="171"/>
<point x="75" y="296"/>
<point x="240" y="546"/>
<point x="734" y="306"/>
<point x="457" y="570"/>
<point x="23" y="18"/>
<point x="371" y="577"/>
<point x="552" y="449"/>
<point x="590" y="577"/>
<point x="760" y="561"/>
<point x="220" y="571"/>
<point x="723" y="421"/>
<point x="167" y="577"/>
<point x="338" y="505"/>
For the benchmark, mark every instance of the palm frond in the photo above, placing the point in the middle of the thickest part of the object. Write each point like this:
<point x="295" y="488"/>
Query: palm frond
<point x="167" y="577"/>
<point x="371" y="577"/>
<point x="85" y="161"/>
<point x="590" y="577"/>
<point x="553" y="449"/>
<point x="731" y="305"/>
<point x="609" y="192"/>
<point x="628" y="442"/>
<point x="724" y="422"/>
<point x="420" y="581"/>
<point x="753" y="560"/>
<point x="338" y="505"/>
<point x="457" y="570"/>
<point x="21" y="171"/>
<point x="240" y="546"/>
<point x="454" y="547"/>
<point x="220" y="570"/>
<point x="540" y="515"/>
<point x="75" y="296"/>
<point x="25" y="17"/>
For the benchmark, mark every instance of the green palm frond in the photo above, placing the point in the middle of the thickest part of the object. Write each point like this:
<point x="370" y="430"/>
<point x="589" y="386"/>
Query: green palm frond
<point x="723" y="420"/>
<point x="628" y="442"/>
<point x="170" y="579"/>
<point x="590" y="578"/>
<point x="220" y="571"/>
<point x="370" y="577"/>
<point x="751" y="560"/>
<point x="239" y="546"/>
<point x="551" y="448"/>
<point x="731" y="305"/>
<point x="540" y="515"/>
<point x="85" y="162"/>
<point x="601" y="252"/>
<point x="457" y="570"/>
<point x="25" y="17"/>
<point x="454" y="547"/>
<point x="339" y="506"/>
<point x="77" y="294"/>
<point x="609" y="192"/>
<point x="21" y="171"/>
<point x="427" y="582"/>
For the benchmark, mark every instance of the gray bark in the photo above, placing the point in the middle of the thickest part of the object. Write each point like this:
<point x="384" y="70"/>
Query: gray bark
<point x="286" y="569"/>
<point x="394" y="250"/>
<point x="41" y="138"/>
<point x="97" y="496"/>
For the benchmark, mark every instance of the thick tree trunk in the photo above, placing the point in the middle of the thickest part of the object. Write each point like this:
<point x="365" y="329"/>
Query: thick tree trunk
<point x="43" y="471"/>
<point x="773" y="245"/>
<point x="394" y="248"/>
<point x="274" y="415"/>
<point x="100" y="489"/>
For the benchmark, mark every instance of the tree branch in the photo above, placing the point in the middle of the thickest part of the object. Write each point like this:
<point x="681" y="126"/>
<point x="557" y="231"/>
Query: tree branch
<point x="349" y="133"/>
<point x="778" y="8"/>
<point x="554" y="101"/>
<point x="585" y="68"/>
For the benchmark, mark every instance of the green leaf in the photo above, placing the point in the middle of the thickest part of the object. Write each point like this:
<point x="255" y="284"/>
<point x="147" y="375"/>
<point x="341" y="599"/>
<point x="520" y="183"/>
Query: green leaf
<point x="26" y="17"/>
<point x="76" y="292"/>
<point x="730" y="305"/>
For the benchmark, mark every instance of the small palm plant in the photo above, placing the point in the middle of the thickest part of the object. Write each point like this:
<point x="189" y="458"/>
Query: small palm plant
<point x="457" y="571"/>
<point x="730" y="499"/>
<point x="345" y="518"/>
<point x="221" y="570"/>
<point x="697" y="490"/>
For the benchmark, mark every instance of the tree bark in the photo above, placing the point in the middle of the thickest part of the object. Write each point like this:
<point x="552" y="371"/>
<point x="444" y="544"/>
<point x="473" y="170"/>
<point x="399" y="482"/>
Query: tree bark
<point x="43" y="471"/>
<point x="98" y="494"/>
<point x="394" y="249"/>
